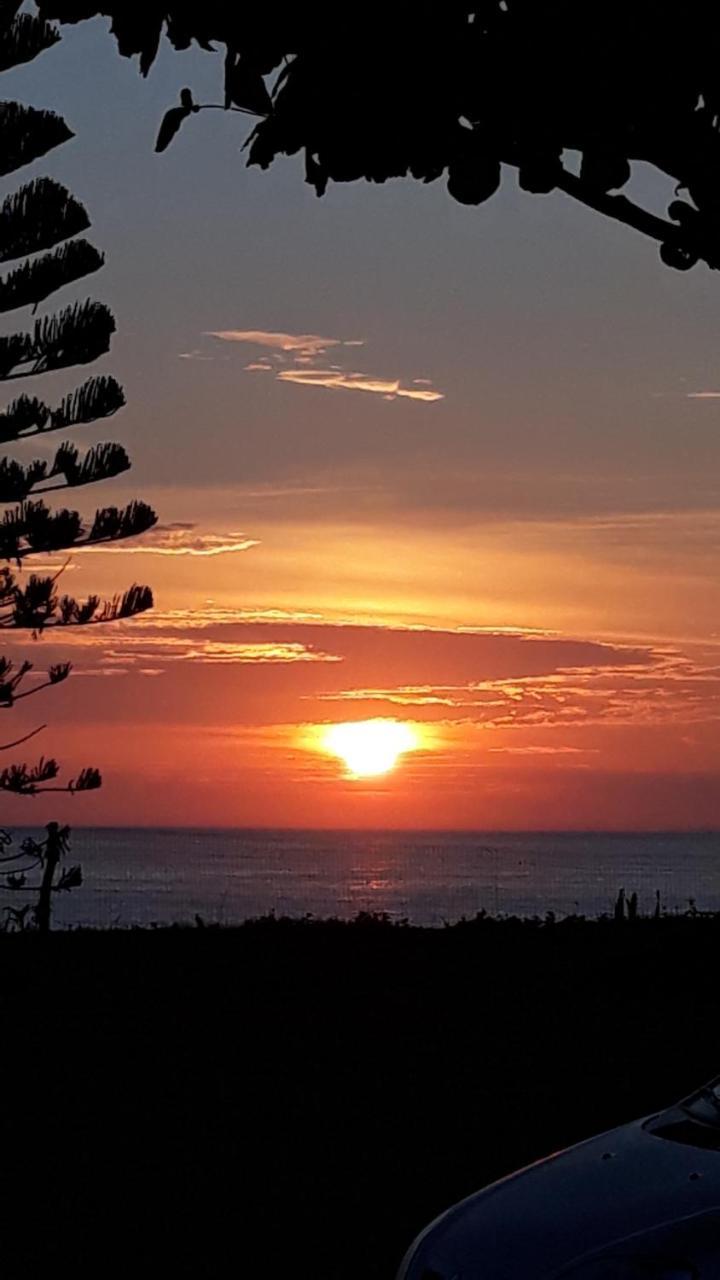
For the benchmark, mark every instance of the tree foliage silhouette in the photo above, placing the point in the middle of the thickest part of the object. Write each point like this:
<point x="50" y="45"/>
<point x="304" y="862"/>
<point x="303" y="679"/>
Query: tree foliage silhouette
<point x="461" y="90"/>
<point x="40" y="223"/>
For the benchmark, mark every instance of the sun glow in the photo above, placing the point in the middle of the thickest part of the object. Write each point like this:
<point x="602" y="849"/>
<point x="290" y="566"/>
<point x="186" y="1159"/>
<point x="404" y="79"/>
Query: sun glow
<point x="369" y="747"/>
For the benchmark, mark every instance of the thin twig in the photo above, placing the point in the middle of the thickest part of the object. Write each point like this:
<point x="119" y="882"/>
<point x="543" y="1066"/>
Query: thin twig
<point x="47" y="684"/>
<point x="6" y="746"/>
<point x="218" y="106"/>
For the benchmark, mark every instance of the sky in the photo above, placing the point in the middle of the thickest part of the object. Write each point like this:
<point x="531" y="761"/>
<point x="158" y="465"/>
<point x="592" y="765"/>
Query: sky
<point x="454" y="467"/>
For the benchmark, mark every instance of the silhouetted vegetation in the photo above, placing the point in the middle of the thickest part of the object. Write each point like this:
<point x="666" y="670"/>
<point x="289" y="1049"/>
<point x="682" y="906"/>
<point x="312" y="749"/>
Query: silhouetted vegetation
<point x="37" y="867"/>
<point x="457" y="91"/>
<point x="293" y="1098"/>
<point x="39" y="222"/>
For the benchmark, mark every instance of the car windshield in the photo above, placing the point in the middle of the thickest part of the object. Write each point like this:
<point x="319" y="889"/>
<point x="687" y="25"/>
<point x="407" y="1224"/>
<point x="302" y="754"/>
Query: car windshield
<point x="705" y="1104"/>
<point x="695" y="1120"/>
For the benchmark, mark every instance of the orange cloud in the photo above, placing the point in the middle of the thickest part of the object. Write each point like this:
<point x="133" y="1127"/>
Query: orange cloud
<point x="304" y="344"/>
<point x="667" y="688"/>
<point x="128" y="650"/>
<point x="282" y="652"/>
<point x="179" y="539"/>
<point x="405" y="696"/>
<point x="516" y="728"/>
<point x="543" y="751"/>
<point x="303" y="349"/>
<point x="337" y="380"/>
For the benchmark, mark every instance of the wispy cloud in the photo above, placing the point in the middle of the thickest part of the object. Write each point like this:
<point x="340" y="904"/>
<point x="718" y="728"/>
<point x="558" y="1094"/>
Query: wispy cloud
<point x="403" y="696"/>
<point x="667" y="688"/>
<point x="702" y="395"/>
<point x="179" y="539"/>
<point x="301" y="344"/>
<point x="211" y="614"/>
<point x="543" y="751"/>
<point x="280" y="652"/>
<point x="302" y="352"/>
<point x="338" y="380"/>
<point x="121" y="654"/>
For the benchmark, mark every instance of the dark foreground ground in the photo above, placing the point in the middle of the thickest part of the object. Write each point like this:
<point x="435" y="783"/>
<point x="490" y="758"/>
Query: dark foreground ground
<point x="298" y="1100"/>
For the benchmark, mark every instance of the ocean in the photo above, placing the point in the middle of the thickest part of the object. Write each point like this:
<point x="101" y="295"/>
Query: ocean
<point x="161" y="876"/>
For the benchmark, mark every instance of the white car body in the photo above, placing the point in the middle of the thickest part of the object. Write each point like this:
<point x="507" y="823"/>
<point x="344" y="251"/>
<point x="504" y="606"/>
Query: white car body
<point x="641" y="1202"/>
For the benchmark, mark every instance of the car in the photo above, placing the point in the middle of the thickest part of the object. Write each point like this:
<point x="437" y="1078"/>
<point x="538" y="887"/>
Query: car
<point x="641" y="1202"/>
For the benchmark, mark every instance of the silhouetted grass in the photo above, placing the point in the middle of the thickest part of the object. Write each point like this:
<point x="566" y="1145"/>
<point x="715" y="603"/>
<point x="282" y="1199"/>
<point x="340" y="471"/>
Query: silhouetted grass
<point x="294" y="1098"/>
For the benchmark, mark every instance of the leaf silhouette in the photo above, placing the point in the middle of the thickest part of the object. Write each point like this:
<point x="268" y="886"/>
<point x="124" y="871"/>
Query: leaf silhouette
<point x="171" y="123"/>
<point x="245" y="87"/>
<point x="173" y="119"/>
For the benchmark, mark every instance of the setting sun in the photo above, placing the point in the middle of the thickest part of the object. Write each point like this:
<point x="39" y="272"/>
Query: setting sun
<point x="369" y="747"/>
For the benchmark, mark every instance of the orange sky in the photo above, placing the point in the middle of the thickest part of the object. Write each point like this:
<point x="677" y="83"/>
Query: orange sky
<point x="203" y="711"/>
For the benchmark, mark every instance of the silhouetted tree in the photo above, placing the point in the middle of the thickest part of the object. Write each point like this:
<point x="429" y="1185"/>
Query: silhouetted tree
<point x="43" y="856"/>
<point x="461" y="89"/>
<point x="41" y="223"/>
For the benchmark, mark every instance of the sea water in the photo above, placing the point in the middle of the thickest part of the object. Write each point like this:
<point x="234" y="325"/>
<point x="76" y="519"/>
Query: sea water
<point x="144" y="876"/>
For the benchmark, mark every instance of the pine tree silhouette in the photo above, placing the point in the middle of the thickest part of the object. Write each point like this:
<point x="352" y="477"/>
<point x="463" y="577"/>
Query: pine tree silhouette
<point x="41" y="222"/>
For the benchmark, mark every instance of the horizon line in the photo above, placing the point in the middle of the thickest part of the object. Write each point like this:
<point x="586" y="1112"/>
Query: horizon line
<point x="330" y="830"/>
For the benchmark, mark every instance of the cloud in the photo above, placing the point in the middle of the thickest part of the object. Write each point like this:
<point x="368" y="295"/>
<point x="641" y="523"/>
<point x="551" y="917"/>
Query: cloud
<point x="702" y="395"/>
<point x="102" y="671"/>
<point x="403" y="696"/>
<point x="210" y="614"/>
<point x="415" y="664"/>
<point x="303" y="344"/>
<point x="337" y="380"/>
<point x="513" y="705"/>
<point x="303" y="351"/>
<point x="663" y="687"/>
<point x="179" y="539"/>
<point x="119" y="655"/>
<point x="279" y="652"/>
<point x="543" y="751"/>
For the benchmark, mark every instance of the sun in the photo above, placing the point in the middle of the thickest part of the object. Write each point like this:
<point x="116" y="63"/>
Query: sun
<point x="369" y="747"/>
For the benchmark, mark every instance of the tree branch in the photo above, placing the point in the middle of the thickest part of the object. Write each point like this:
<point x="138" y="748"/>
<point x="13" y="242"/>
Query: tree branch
<point x="6" y="746"/>
<point x="649" y="224"/>
<point x="619" y="208"/>
<point x="46" y="684"/>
